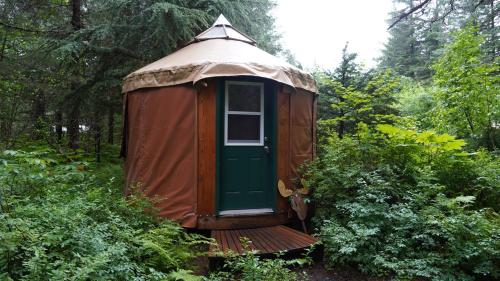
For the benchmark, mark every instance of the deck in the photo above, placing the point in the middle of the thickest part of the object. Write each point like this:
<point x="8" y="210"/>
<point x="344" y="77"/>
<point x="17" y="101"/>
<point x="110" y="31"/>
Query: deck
<point x="264" y="240"/>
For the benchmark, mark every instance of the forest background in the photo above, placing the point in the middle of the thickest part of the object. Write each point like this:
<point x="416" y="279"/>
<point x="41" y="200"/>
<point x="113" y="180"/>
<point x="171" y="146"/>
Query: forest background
<point x="407" y="179"/>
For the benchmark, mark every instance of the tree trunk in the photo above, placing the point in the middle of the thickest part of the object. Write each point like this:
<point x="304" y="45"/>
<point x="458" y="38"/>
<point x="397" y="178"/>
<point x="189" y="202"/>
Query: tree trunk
<point x="74" y="113"/>
<point x="470" y="122"/>
<point x="4" y="44"/>
<point x="491" y="132"/>
<point x="97" y="135"/>
<point x="341" y="129"/>
<point x="76" y="15"/>
<point x="74" y="125"/>
<point x="345" y="83"/>
<point x="493" y="33"/>
<point x="491" y="138"/>
<point x="111" y="124"/>
<point x="58" y="124"/>
<point x="38" y="115"/>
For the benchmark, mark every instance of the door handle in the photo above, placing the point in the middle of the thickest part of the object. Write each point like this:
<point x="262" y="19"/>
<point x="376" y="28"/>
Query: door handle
<point x="267" y="150"/>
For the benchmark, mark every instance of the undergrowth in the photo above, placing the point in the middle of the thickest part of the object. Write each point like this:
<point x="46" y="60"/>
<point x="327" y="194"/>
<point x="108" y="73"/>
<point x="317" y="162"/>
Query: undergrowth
<point x="392" y="201"/>
<point x="251" y="267"/>
<point x="63" y="217"/>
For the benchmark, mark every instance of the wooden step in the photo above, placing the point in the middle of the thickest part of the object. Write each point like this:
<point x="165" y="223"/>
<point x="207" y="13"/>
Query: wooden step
<point x="264" y="240"/>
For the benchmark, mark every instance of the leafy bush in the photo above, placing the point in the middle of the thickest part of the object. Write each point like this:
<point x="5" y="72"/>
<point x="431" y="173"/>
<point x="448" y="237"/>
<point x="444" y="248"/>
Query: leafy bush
<point x="250" y="267"/>
<point x="390" y="202"/>
<point x="415" y="103"/>
<point x="62" y="218"/>
<point x="469" y="89"/>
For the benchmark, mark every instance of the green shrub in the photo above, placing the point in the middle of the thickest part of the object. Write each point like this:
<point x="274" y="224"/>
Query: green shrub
<point x="250" y="267"/>
<point x="61" y="219"/>
<point x="398" y="202"/>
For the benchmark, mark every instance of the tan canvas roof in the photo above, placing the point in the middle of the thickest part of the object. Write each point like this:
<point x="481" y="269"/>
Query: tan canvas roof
<point x="219" y="51"/>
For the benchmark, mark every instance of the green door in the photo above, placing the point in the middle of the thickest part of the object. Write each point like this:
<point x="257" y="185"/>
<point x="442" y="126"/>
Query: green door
<point x="246" y="142"/>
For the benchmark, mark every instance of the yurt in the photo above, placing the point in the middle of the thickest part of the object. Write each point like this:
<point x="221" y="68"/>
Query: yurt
<point x="211" y="129"/>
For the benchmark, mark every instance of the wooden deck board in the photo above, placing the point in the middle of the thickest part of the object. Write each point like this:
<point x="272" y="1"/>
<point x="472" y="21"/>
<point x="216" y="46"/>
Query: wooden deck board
<point x="234" y="244"/>
<point x="264" y="245"/>
<point x="274" y="237"/>
<point x="264" y="240"/>
<point x="258" y="243"/>
<point x="271" y="247"/>
<point x="298" y="235"/>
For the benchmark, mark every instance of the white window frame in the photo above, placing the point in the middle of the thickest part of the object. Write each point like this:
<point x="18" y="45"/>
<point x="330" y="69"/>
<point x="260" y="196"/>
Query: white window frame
<point x="255" y="113"/>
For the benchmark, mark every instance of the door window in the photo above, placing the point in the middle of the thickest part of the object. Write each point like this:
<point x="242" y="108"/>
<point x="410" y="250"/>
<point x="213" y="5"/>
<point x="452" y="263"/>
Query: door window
<point x="244" y="113"/>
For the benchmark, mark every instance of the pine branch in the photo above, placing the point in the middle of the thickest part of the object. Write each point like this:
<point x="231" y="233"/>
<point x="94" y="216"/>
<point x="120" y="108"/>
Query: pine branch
<point x="111" y="50"/>
<point x="10" y="26"/>
<point x="445" y="15"/>
<point x="54" y="31"/>
<point x="404" y="14"/>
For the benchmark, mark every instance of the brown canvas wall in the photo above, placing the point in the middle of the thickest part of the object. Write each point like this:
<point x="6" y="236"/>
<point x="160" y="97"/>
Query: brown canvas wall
<point x="171" y="147"/>
<point x="296" y="135"/>
<point x="302" y="129"/>
<point x="283" y="134"/>
<point x="161" y="151"/>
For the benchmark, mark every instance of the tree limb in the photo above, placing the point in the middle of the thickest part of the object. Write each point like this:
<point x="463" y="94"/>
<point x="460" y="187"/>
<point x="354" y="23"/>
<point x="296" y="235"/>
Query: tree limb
<point x="29" y="30"/>
<point x="405" y="14"/>
<point x="10" y="26"/>
<point x="445" y="15"/>
<point x="477" y="5"/>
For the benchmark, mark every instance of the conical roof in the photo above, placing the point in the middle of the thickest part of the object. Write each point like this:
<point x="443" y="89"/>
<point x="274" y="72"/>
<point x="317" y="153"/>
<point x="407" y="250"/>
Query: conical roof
<point x="219" y="51"/>
<point x="222" y="29"/>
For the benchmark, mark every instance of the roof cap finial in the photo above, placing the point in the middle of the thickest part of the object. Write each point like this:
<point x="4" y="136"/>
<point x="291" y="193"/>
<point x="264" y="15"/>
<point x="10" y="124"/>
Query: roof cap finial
<point x="221" y="20"/>
<point x="222" y="29"/>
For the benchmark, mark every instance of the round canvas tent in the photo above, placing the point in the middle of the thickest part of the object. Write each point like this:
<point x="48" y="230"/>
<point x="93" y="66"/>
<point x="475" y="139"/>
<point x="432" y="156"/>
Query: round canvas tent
<point x="211" y="128"/>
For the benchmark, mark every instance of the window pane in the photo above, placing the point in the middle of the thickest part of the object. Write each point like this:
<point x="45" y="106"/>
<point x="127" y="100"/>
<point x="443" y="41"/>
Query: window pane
<point x="244" y="97"/>
<point x="243" y="128"/>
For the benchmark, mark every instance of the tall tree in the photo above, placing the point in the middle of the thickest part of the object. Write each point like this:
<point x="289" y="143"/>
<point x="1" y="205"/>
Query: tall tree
<point x="74" y="95"/>
<point x="347" y="74"/>
<point x="81" y="50"/>
<point x="420" y="29"/>
<point x="402" y="51"/>
<point x="27" y="73"/>
<point x="349" y="97"/>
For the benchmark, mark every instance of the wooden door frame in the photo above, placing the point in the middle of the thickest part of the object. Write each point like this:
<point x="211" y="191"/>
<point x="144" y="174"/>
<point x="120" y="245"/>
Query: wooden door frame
<point x="270" y="87"/>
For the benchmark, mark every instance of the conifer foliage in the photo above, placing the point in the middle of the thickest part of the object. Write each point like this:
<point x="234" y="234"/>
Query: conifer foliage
<point x="68" y="58"/>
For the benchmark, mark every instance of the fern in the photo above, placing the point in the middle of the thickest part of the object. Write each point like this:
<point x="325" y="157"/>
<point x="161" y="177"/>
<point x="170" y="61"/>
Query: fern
<point x="68" y="220"/>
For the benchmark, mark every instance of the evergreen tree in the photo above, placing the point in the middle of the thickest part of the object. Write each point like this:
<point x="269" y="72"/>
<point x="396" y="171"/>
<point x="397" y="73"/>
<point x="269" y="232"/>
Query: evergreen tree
<point x="66" y="59"/>
<point x="347" y="74"/>
<point x="349" y="97"/>
<point x="402" y="51"/>
<point x="416" y="40"/>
